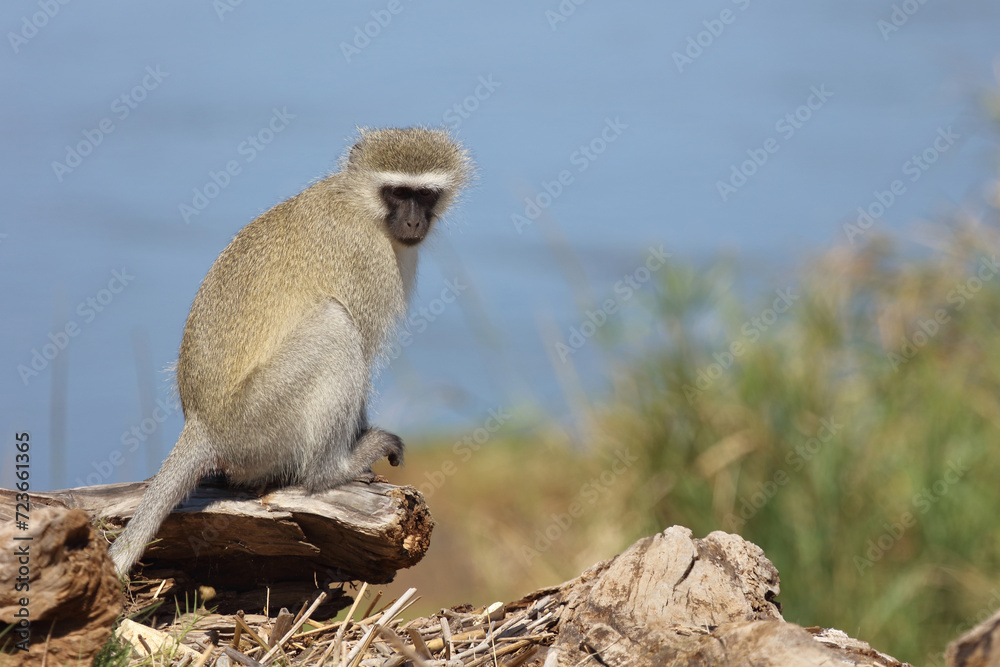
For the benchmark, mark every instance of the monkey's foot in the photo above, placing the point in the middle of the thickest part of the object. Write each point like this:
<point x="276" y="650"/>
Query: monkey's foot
<point x="371" y="478"/>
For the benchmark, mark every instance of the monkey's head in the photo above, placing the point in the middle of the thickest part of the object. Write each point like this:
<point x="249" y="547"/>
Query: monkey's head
<point x="409" y="177"/>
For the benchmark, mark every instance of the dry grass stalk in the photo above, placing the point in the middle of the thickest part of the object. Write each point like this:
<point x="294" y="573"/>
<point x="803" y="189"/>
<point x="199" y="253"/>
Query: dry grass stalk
<point x="468" y="637"/>
<point x="295" y="628"/>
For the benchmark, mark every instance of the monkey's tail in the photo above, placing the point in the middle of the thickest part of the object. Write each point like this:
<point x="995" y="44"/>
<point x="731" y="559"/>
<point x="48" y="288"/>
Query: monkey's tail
<point x="179" y="474"/>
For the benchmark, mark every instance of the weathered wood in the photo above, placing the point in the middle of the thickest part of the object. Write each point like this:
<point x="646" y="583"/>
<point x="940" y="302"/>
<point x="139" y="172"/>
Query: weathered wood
<point x="58" y="589"/>
<point x="672" y="600"/>
<point x="236" y="539"/>
<point x="979" y="647"/>
<point x="668" y="601"/>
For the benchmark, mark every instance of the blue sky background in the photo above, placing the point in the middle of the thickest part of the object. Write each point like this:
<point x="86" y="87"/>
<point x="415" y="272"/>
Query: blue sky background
<point x="553" y="84"/>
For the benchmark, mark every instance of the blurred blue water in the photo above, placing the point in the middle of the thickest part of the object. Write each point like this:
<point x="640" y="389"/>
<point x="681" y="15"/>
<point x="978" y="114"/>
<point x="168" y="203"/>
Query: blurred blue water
<point x="681" y="93"/>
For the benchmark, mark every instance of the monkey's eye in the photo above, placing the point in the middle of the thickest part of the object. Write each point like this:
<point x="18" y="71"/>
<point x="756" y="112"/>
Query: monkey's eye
<point x="428" y="196"/>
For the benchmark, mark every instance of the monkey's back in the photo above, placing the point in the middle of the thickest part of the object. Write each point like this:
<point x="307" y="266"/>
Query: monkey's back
<point x="290" y="260"/>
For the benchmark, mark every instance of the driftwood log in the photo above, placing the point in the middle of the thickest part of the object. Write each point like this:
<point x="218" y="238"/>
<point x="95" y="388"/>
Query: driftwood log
<point x="238" y="541"/>
<point x="672" y="600"/>
<point x="669" y="600"/>
<point x="59" y="595"/>
<point x="979" y="647"/>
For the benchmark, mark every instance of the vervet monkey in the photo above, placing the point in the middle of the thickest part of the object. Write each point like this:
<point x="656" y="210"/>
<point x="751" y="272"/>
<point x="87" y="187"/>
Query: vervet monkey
<point x="275" y="365"/>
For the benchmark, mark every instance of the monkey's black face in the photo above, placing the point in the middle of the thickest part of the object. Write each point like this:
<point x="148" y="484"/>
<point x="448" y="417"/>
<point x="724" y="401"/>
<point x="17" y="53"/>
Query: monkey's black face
<point x="411" y="212"/>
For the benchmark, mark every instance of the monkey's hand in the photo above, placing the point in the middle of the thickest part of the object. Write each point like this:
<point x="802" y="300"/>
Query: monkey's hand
<point x="396" y="455"/>
<point x="393" y="446"/>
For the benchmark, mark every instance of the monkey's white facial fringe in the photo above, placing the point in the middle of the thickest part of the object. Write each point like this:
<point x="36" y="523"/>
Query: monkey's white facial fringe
<point x="435" y="180"/>
<point x="445" y="183"/>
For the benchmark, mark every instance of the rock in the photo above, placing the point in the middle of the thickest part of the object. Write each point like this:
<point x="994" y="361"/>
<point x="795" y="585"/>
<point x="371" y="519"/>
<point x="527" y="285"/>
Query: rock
<point x="72" y="595"/>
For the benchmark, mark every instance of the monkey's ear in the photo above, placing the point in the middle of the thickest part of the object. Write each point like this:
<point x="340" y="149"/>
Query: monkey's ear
<point x="358" y="146"/>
